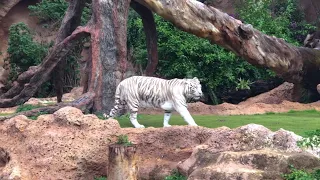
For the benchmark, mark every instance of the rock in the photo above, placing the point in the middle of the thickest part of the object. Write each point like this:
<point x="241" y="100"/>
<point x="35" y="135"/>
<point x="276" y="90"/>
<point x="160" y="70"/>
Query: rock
<point x="248" y="152"/>
<point x="68" y="115"/>
<point x="34" y="101"/>
<point x="71" y="145"/>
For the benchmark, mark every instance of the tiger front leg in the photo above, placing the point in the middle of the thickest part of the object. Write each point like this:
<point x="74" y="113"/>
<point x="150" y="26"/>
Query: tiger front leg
<point x="183" y="111"/>
<point x="166" y="118"/>
<point x="134" y="121"/>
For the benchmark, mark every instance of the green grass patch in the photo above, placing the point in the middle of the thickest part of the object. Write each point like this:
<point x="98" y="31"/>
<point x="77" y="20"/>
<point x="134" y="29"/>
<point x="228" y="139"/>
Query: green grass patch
<point x="26" y="107"/>
<point x="296" y="121"/>
<point x="5" y="114"/>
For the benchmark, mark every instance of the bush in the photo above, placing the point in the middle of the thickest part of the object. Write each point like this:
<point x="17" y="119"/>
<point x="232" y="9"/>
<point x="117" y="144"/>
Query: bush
<point x="23" y="51"/>
<point x="124" y="140"/>
<point x="302" y="174"/>
<point x="176" y="176"/>
<point x="312" y="139"/>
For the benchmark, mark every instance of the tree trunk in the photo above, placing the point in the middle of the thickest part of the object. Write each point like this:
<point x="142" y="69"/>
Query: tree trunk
<point x="122" y="162"/>
<point x="109" y="50"/>
<point x="294" y="64"/>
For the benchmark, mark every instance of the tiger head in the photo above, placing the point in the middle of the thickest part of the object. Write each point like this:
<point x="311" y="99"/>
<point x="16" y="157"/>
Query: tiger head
<point x="193" y="89"/>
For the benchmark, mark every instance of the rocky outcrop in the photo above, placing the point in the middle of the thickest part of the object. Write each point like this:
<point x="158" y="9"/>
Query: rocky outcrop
<point x="71" y="145"/>
<point x="255" y="153"/>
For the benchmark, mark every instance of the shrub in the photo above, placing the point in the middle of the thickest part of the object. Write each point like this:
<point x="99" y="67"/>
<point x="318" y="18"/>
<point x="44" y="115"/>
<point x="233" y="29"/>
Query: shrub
<point x="176" y="176"/>
<point x="297" y="174"/>
<point x="23" y="51"/>
<point x="312" y="139"/>
<point x="124" y="140"/>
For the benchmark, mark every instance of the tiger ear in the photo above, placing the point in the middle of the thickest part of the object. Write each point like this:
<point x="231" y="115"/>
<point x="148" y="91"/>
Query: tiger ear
<point x="196" y="79"/>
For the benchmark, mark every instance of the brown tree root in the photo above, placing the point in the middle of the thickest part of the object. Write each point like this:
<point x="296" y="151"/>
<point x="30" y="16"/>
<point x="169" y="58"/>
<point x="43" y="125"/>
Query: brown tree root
<point x="84" y="103"/>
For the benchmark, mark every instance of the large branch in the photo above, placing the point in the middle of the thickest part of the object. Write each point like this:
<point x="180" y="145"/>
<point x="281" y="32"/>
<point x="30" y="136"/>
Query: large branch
<point x="70" y="22"/>
<point x="149" y="27"/>
<point x="294" y="64"/>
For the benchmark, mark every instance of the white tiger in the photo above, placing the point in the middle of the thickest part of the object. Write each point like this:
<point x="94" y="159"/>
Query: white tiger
<point x="155" y="92"/>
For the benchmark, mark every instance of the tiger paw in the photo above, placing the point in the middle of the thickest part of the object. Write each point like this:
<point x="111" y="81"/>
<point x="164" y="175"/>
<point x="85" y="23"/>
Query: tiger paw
<point x="140" y="126"/>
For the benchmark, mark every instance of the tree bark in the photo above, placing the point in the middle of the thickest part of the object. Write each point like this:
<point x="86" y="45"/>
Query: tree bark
<point x="109" y="50"/>
<point x="122" y="162"/>
<point x="149" y="27"/>
<point x="294" y="64"/>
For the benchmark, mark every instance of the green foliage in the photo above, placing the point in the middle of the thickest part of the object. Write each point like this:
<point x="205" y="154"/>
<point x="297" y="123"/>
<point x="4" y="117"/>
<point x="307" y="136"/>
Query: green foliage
<point x="124" y="140"/>
<point x="312" y="139"/>
<point x="26" y="107"/>
<point x="176" y="176"/>
<point x="100" y="178"/>
<point x="53" y="11"/>
<point x="298" y="174"/>
<point x="49" y="10"/>
<point x="243" y="84"/>
<point x="23" y="51"/>
<point x="278" y="18"/>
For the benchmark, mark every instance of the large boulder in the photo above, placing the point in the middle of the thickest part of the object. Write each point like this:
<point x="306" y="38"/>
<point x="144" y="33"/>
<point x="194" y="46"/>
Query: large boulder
<point x="249" y="152"/>
<point x="71" y="145"/>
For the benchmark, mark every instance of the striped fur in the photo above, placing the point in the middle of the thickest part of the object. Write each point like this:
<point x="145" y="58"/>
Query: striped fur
<point x="142" y="91"/>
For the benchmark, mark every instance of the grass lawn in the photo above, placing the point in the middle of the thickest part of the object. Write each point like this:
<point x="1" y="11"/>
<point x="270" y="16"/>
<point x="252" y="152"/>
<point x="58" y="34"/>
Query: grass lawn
<point x="296" y="121"/>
